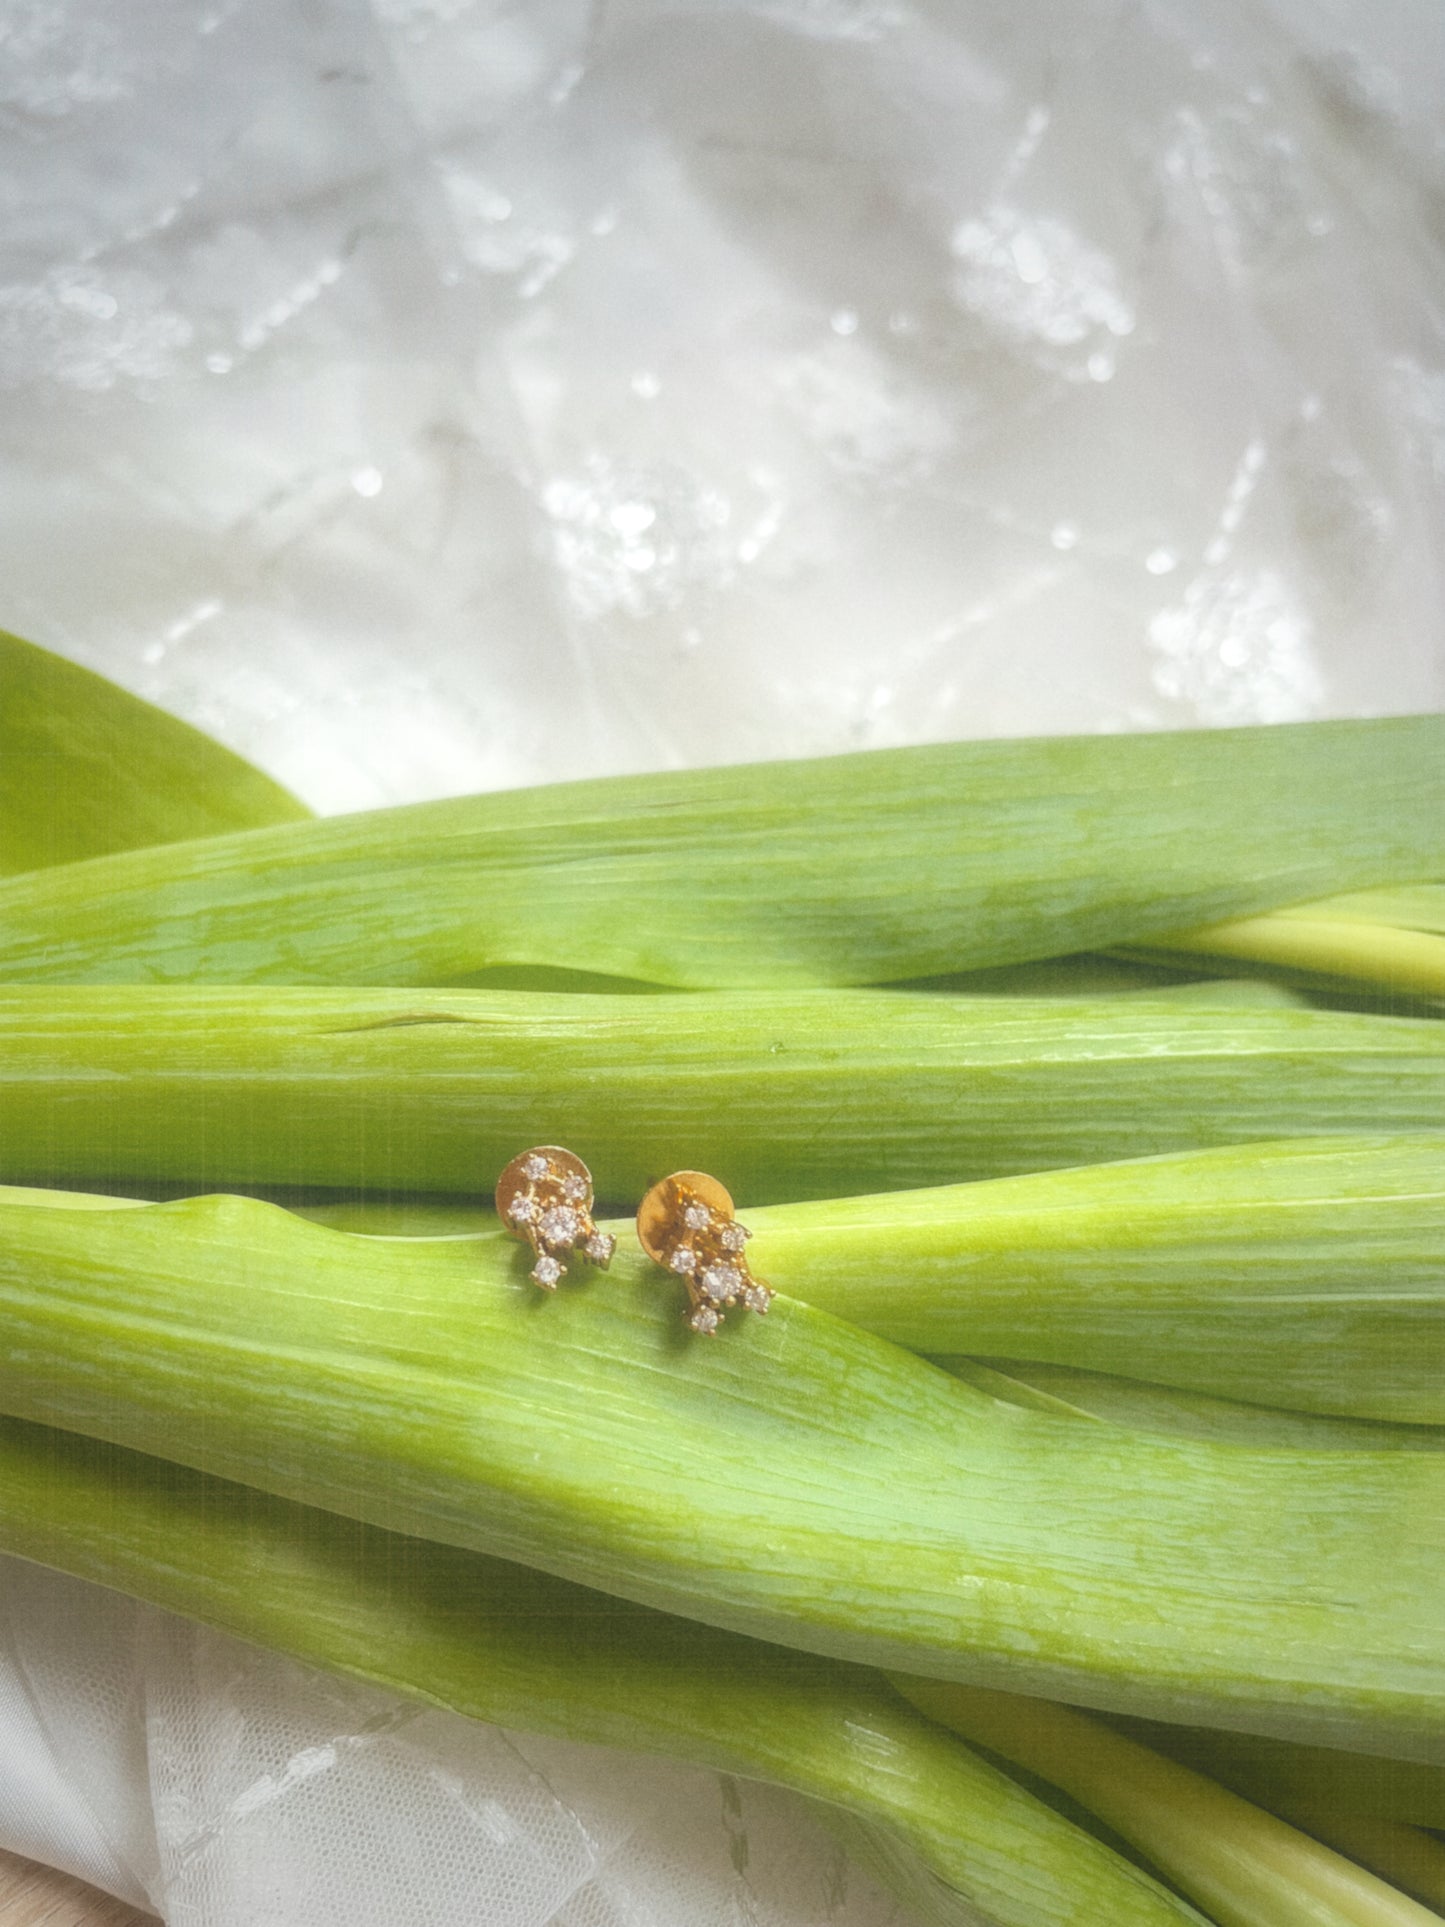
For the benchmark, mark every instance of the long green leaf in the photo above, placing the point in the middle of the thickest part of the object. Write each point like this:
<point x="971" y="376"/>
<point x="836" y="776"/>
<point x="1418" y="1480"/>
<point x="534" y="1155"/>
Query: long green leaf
<point x="1066" y="1391"/>
<point x="796" y="1479"/>
<point x="784" y="1095"/>
<point x="86" y="769"/>
<point x="855" y="869"/>
<point x="500" y="1643"/>
<point x="1308" y="1275"/>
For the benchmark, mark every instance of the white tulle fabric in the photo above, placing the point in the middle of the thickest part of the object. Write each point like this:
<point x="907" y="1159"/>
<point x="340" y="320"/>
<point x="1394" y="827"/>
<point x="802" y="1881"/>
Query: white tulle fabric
<point x="427" y="395"/>
<point x="219" y="1785"/>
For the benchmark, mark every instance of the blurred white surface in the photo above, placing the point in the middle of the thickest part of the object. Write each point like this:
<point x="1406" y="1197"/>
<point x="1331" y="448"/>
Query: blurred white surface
<point x="435" y="394"/>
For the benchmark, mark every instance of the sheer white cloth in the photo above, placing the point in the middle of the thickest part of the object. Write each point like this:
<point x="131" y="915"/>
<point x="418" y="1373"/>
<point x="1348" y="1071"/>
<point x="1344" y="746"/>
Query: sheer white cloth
<point x="217" y="1784"/>
<point x="427" y="395"/>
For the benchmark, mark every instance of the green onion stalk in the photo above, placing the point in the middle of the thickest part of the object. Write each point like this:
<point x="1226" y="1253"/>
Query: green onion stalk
<point x="392" y="1455"/>
<point x="954" y="1833"/>
<point x="796" y="1478"/>
<point x="845" y="870"/>
<point x="1245" y="1866"/>
<point x="949" y="1828"/>
<point x="788" y="1094"/>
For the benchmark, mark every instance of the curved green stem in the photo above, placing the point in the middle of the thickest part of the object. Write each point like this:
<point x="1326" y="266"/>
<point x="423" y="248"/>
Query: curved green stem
<point x="1406" y="962"/>
<point x="845" y="870"/>
<point x="794" y="1478"/>
<point x="963" y="1841"/>
<point x="1244" y="1866"/>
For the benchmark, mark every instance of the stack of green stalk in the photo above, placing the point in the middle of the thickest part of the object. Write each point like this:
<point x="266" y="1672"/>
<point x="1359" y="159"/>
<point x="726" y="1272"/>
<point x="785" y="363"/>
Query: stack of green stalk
<point x="1180" y="1251"/>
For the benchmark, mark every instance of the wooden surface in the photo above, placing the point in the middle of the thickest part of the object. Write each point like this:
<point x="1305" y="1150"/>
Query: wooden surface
<point x="32" y="1896"/>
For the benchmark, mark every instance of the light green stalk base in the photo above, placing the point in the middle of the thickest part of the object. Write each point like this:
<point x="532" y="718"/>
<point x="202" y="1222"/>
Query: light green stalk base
<point x="1064" y="1390"/>
<point x="1244" y="1866"/>
<point x="784" y="1094"/>
<point x="1306" y="1275"/>
<point x="795" y="1478"/>
<point x="963" y="1841"/>
<point x="847" y="870"/>
<point x="1407" y="1857"/>
<point x="1406" y="963"/>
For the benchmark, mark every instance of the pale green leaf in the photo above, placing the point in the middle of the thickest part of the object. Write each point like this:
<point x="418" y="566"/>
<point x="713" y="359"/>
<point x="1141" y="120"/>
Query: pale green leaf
<point x="783" y="1094"/>
<point x="497" y="1642"/>
<point x="854" y="869"/>
<point x="795" y="1478"/>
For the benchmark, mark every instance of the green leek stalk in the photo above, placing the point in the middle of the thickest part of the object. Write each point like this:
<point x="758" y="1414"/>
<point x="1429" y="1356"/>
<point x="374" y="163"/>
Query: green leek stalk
<point x="784" y="1094"/>
<point x="87" y="770"/>
<point x="1306" y="1274"/>
<point x="960" y="1840"/>
<point x="1407" y="1857"/>
<point x="1309" y="1275"/>
<point x="1312" y="1786"/>
<point x="1062" y="1390"/>
<point x="796" y="1478"/>
<point x="1244" y="1866"/>
<point x="845" y="870"/>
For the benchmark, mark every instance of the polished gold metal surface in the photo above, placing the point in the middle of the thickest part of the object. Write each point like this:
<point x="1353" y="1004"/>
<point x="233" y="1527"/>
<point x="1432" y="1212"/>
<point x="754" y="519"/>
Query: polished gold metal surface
<point x="544" y="1197"/>
<point x="686" y="1225"/>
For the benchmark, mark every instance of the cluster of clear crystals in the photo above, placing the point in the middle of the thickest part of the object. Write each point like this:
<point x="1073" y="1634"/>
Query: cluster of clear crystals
<point x="720" y="1283"/>
<point x="552" y="1214"/>
<point x="707" y="1251"/>
<point x="558" y="1224"/>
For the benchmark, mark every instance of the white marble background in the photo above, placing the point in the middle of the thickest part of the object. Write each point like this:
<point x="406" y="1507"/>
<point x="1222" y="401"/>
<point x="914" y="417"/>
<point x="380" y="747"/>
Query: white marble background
<point x="435" y="394"/>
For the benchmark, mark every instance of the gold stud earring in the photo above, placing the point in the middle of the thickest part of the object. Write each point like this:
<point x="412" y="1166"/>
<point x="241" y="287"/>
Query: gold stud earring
<point x="686" y="1225"/>
<point x="545" y="1197"/>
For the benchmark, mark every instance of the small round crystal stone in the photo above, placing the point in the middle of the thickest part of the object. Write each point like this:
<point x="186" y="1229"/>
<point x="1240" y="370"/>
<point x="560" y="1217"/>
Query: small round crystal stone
<point x="534" y="1167"/>
<point x="574" y="1189"/>
<point x="600" y="1247"/>
<point x="682" y="1261"/>
<point x="696" y="1217"/>
<point x="734" y="1237"/>
<point x="546" y="1271"/>
<point x="756" y="1298"/>
<point x="704" y="1319"/>
<point x="720" y="1282"/>
<point x="559" y="1224"/>
<point x="524" y="1210"/>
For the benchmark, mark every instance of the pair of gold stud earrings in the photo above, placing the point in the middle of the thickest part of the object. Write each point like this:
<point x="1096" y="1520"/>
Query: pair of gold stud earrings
<point x="685" y="1224"/>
